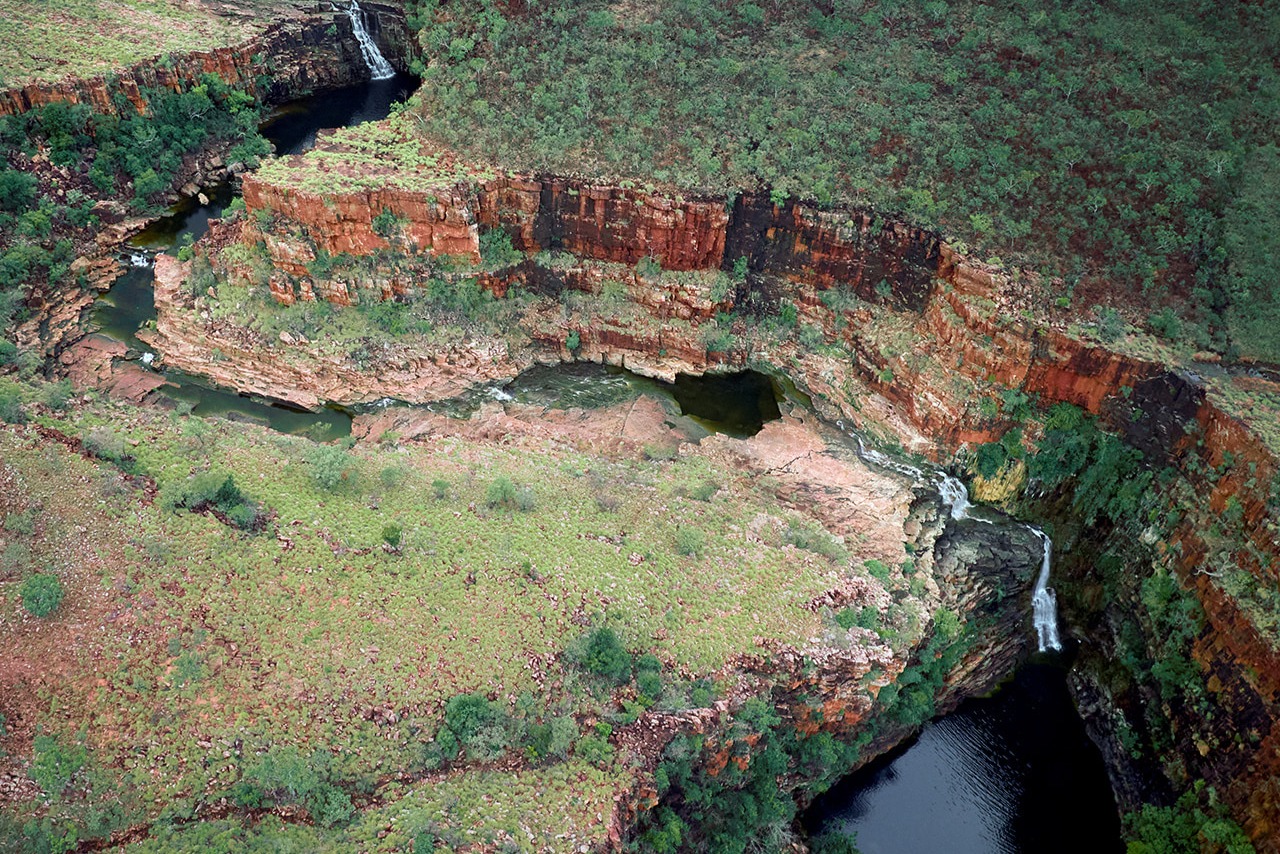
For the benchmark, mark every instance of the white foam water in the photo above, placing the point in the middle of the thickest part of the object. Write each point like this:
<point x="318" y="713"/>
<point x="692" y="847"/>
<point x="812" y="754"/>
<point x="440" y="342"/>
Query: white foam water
<point x="139" y="259"/>
<point x="1044" y="602"/>
<point x="379" y="68"/>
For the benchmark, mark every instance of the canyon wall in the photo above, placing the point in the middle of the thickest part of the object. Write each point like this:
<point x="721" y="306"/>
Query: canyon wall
<point x="933" y="332"/>
<point x="882" y="262"/>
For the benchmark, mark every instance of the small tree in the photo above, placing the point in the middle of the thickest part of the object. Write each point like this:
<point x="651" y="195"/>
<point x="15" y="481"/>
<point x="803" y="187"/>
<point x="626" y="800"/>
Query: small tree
<point x="606" y="656"/>
<point x="41" y="594"/>
<point x="501" y="493"/>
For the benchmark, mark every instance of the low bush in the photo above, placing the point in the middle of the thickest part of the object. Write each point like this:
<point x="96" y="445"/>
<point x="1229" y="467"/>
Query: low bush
<point x="332" y="468"/>
<point x="54" y="764"/>
<point x="690" y="542"/>
<point x="214" y="490"/>
<point x="815" y="538"/>
<point x="284" y="776"/>
<point x="474" y="725"/>
<point x="41" y="594"/>
<point x="605" y="655"/>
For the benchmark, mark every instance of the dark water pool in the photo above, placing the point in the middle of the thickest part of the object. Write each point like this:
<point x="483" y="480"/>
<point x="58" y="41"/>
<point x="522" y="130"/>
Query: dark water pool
<point x="292" y="127"/>
<point x="1013" y="773"/>
<point x="735" y="404"/>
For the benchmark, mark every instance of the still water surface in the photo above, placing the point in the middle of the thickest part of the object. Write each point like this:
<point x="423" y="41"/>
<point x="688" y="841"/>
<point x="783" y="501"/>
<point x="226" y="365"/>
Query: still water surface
<point x="1013" y="773"/>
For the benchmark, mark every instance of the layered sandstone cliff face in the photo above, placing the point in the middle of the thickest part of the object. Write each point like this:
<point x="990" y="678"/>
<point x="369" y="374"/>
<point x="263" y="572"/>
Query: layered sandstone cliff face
<point x="929" y="334"/>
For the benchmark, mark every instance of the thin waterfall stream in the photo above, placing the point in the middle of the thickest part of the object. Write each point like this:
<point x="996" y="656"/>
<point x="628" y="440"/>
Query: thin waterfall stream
<point x="1044" y="602"/>
<point x="379" y="68"/>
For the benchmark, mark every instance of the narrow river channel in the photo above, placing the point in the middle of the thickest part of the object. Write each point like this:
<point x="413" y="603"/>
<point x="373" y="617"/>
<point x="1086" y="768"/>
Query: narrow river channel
<point x="130" y="303"/>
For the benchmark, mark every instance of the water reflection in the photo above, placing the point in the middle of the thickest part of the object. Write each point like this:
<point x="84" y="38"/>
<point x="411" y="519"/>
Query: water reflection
<point x="292" y="128"/>
<point x="1007" y="774"/>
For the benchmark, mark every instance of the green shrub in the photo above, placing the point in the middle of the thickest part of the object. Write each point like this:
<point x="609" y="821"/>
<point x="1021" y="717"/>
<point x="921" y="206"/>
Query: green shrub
<point x="595" y="748"/>
<point x="21" y="523"/>
<point x="56" y="395"/>
<point x="329" y="805"/>
<point x="393" y="476"/>
<point x="865" y="617"/>
<point x="53" y="765"/>
<point x="605" y="655"/>
<point x="704" y="490"/>
<point x="284" y="774"/>
<point x="690" y="542"/>
<point x="1195" y="824"/>
<point x="440" y="488"/>
<point x="788" y="315"/>
<point x="648" y="267"/>
<point x="552" y="739"/>
<point x="332" y="468"/>
<point x="878" y="569"/>
<point x="476" y="725"/>
<point x="1166" y="324"/>
<point x="17" y="190"/>
<point x="386" y="224"/>
<point x="496" y="250"/>
<point x="814" y="538"/>
<point x="391" y="535"/>
<point x="214" y="490"/>
<point x="649" y="684"/>
<point x="990" y="458"/>
<point x="834" y="842"/>
<point x="1110" y="325"/>
<point x="105" y="444"/>
<point x="11" y="404"/>
<point x="526" y="499"/>
<point x="41" y="594"/>
<point x="501" y="493"/>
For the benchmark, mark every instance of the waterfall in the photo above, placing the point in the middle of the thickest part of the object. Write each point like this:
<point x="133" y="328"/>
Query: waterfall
<point x="379" y="68"/>
<point x="956" y="495"/>
<point x="953" y="492"/>
<point x="1044" y="602"/>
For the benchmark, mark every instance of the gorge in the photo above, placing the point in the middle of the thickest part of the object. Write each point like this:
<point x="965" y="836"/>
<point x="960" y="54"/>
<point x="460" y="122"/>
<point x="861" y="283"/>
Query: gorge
<point x="627" y="513"/>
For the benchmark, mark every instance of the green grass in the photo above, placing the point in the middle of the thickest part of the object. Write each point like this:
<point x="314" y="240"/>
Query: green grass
<point x="226" y="644"/>
<point x="373" y="155"/>
<point x="43" y="42"/>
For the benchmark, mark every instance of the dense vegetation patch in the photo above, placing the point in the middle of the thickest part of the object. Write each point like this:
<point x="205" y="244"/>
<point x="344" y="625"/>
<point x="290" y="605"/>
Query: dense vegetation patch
<point x="47" y="218"/>
<point x="1111" y="143"/>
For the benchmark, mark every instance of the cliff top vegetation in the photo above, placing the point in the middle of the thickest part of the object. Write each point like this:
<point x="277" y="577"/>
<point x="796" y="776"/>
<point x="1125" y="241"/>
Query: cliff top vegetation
<point x="1124" y="148"/>
<point x="45" y="42"/>
<point x="370" y="156"/>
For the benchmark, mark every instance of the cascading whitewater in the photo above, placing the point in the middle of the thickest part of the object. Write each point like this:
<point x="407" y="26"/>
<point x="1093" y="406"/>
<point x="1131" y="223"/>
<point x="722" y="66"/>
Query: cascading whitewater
<point x="379" y="68"/>
<point x="1044" y="602"/>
